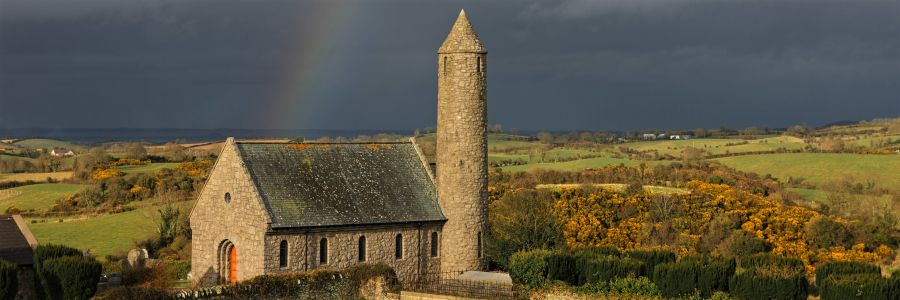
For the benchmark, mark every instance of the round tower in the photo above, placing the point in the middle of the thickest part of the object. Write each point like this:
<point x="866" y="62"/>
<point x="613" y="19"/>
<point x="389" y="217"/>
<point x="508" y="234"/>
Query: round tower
<point x="462" y="147"/>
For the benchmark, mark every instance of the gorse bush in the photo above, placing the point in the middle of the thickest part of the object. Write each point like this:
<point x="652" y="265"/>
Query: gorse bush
<point x="9" y="282"/>
<point x="858" y="286"/>
<point x="529" y="268"/>
<point x="705" y="274"/>
<point x="606" y="268"/>
<point x="70" y="277"/>
<point x="651" y="258"/>
<point x="844" y="268"/>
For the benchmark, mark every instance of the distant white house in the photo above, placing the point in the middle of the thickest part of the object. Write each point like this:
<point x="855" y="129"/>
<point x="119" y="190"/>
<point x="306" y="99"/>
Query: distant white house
<point x="679" y="137"/>
<point x="61" y="152"/>
<point x="649" y="136"/>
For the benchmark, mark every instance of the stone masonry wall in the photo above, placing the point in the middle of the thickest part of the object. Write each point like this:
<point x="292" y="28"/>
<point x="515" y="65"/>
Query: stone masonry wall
<point x="303" y="249"/>
<point x="243" y="221"/>
<point x="462" y="157"/>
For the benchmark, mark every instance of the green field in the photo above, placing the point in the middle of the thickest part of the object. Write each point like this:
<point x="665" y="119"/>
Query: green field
<point x="104" y="234"/>
<point x="146" y="168"/>
<point x="575" y="165"/>
<point x="41" y="177"/>
<point x="821" y="168"/>
<point x="46" y="144"/>
<point x="718" y="146"/>
<point x="36" y="196"/>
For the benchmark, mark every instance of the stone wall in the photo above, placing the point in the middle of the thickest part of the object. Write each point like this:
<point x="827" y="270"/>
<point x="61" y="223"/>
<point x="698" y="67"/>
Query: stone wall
<point x="462" y="155"/>
<point x="303" y="248"/>
<point x="243" y="221"/>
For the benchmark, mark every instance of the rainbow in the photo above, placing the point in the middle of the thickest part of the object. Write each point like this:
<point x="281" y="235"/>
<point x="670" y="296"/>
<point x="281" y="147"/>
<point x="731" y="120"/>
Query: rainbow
<point x="300" y="86"/>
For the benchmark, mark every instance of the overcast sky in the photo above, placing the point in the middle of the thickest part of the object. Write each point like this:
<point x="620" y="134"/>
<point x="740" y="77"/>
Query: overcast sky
<point x="554" y="65"/>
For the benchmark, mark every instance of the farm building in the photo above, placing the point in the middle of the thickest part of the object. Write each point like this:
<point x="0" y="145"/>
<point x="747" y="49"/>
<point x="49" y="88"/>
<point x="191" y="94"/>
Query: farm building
<point x="62" y="152"/>
<point x="270" y="208"/>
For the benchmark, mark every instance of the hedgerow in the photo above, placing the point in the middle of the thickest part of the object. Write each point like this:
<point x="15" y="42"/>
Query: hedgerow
<point x="70" y="277"/>
<point x="863" y="286"/>
<point x="844" y="268"/>
<point x="705" y="274"/>
<point x="529" y="268"/>
<point x="651" y="258"/>
<point x="607" y="268"/>
<point x="9" y="282"/>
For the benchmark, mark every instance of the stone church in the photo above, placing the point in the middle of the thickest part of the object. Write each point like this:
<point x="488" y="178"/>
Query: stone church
<point x="270" y="208"/>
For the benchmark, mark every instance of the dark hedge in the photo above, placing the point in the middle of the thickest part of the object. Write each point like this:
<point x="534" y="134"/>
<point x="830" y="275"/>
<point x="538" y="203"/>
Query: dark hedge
<point x="562" y="266"/>
<point x="863" y="286"/>
<point x="529" y="268"/>
<point x="770" y="282"/>
<point x="705" y="274"/>
<point x="844" y="268"/>
<point x="70" y="277"/>
<point x="9" y="281"/>
<point x="651" y="258"/>
<point x="591" y="270"/>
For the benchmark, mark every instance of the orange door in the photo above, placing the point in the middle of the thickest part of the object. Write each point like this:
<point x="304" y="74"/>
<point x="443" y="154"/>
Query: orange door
<point x="232" y="263"/>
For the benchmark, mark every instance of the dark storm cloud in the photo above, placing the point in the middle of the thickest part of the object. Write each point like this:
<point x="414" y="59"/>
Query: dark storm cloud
<point x="558" y="65"/>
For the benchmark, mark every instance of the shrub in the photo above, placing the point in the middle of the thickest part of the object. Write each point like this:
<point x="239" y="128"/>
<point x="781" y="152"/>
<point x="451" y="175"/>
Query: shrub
<point x="360" y="274"/>
<point x="766" y="259"/>
<point x="9" y="282"/>
<point x="825" y="232"/>
<point x="562" y="266"/>
<point x="134" y="292"/>
<point x="529" y="268"/>
<point x="70" y="277"/>
<point x="651" y="258"/>
<point x="858" y="286"/>
<point x="632" y="286"/>
<point x="606" y="268"/>
<point x="770" y="282"/>
<point x="844" y="268"/>
<point x="597" y="251"/>
<point x="740" y="243"/>
<point x="49" y="251"/>
<point x="702" y="273"/>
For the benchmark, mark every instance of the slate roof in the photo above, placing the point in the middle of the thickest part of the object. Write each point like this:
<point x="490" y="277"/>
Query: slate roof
<point x="334" y="184"/>
<point x="14" y="246"/>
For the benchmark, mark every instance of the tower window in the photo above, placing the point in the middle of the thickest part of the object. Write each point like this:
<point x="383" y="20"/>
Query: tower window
<point x="446" y="64"/>
<point x="478" y="64"/>
<point x="227" y="197"/>
<point x="398" y="246"/>
<point x="434" y="244"/>
<point x="323" y="251"/>
<point x="283" y="254"/>
<point x="362" y="248"/>
<point x="479" y="244"/>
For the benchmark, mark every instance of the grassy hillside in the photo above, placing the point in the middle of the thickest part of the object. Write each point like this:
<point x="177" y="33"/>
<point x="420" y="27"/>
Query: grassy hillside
<point x="718" y="146"/>
<point x="575" y="165"/>
<point x="821" y="168"/>
<point x="46" y="144"/>
<point x="618" y="187"/>
<point x="104" y="234"/>
<point x="146" y="168"/>
<point x="37" y="196"/>
<point x="34" y="176"/>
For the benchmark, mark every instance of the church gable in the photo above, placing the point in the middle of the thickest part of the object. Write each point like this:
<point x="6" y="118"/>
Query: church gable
<point x="335" y="184"/>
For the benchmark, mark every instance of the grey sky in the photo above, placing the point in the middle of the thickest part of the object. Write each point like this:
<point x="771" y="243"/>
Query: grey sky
<point x="557" y="65"/>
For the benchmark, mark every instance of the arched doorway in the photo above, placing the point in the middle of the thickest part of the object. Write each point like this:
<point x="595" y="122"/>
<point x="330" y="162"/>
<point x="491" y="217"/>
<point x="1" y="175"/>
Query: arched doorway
<point x="228" y="262"/>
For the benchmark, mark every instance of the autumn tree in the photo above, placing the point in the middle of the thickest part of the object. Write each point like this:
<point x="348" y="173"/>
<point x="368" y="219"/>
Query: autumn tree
<point x="135" y="151"/>
<point x="527" y="222"/>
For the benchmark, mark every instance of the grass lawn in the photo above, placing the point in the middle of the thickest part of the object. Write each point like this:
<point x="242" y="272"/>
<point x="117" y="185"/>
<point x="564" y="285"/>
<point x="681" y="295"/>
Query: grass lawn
<point x="36" y="196"/>
<point x="618" y="187"/>
<point x="820" y="168"/>
<point x="34" y="176"/>
<point x="575" y="165"/>
<point x="146" y="168"/>
<point x="104" y="234"/>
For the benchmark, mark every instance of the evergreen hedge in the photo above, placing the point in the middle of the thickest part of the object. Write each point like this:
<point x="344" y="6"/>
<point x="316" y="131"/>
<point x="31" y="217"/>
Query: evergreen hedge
<point x="863" y="286"/>
<point x="529" y="268"/>
<point x="651" y="258"/>
<point x="844" y="268"/>
<point x="70" y="277"/>
<point x="591" y="270"/>
<point x="9" y="281"/>
<point x="49" y="251"/>
<point x="770" y="282"/>
<point x="767" y="259"/>
<point x="705" y="274"/>
<point x="597" y="251"/>
<point x="562" y="266"/>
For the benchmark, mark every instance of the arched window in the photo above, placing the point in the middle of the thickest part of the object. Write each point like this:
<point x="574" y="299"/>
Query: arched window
<point x="283" y="254"/>
<point x="323" y="251"/>
<point x="227" y="197"/>
<point x="434" y="244"/>
<point x="362" y="248"/>
<point x="398" y="246"/>
<point x="479" y="244"/>
<point x="478" y="64"/>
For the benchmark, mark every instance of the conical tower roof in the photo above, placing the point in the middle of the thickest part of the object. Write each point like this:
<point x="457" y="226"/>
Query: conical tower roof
<point x="462" y="38"/>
